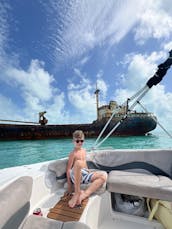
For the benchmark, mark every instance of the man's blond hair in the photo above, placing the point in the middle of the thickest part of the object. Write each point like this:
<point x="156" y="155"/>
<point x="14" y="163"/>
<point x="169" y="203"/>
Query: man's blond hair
<point x="78" y="134"/>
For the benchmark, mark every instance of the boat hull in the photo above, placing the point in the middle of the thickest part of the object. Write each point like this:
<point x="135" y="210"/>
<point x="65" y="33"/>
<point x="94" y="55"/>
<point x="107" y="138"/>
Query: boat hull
<point x="133" y="125"/>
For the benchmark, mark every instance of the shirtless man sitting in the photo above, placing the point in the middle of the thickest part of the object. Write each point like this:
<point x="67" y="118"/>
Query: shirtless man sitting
<point x="78" y="172"/>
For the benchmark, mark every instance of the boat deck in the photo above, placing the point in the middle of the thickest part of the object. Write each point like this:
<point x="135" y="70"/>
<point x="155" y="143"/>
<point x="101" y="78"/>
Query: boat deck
<point x="61" y="211"/>
<point x="104" y="216"/>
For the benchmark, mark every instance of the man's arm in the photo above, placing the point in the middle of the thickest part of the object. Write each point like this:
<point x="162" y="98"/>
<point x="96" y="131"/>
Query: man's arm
<point x="85" y="158"/>
<point x="69" y="167"/>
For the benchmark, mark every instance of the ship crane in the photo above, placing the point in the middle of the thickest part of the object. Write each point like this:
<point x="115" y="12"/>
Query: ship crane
<point x="42" y="119"/>
<point x="153" y="81"/>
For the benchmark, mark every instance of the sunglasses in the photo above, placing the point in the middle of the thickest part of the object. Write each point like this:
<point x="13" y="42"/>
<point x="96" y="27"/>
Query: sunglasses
<point x="77" y="141"/>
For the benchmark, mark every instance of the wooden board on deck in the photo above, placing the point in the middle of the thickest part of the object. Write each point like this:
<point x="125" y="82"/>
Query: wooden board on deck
<point x="61" y="211"/>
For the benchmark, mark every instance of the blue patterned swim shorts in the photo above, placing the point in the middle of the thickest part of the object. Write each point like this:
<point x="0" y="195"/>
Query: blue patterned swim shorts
<point x="85" y="176"/>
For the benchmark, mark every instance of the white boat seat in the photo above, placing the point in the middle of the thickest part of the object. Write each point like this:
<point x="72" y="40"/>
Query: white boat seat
<point x="15" y="206"/>
<point x="36" y="222"/>
<point x="139" y="184"/>
<point x="59" y="168"/>
<point x="15" y="202"/>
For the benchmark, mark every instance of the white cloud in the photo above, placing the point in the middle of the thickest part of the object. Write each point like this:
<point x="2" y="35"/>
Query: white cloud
<point x="81" y="97"/>
<point x="140" y="69"/>
<point x="83" y="100"/>
<point x="168" y="46"/>
<point x="4" y="31"/>
<point x="155" y="21"/>
<point x="102" y="86"/>
<point x="8" y="110"/>
<point x="35" y="87"/>
<point x="35" y="80"/>
<point x="160" y="101"/>
<point x="56" y="113"/>
<point x="84" y="60"/>
<point x="78" y="81"/>
<point x="85" y="25"/>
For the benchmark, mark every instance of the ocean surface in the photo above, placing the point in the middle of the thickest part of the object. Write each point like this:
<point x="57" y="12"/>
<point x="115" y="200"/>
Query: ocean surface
<point x="15" y="153"/>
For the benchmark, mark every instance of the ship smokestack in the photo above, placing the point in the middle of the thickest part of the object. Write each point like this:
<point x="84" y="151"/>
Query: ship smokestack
<point x="97" y="101"/>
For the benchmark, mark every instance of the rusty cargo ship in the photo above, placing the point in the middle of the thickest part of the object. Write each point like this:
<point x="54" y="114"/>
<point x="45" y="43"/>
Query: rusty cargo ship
<point x="134" y="123"/>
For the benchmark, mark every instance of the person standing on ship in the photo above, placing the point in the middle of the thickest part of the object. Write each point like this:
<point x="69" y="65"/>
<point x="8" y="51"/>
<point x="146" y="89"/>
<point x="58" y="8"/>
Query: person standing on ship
<point x="77" y="172"/>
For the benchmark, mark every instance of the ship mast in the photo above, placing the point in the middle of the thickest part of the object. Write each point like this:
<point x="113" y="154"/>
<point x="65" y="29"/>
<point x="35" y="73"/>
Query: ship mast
<point x="97" y="100"/>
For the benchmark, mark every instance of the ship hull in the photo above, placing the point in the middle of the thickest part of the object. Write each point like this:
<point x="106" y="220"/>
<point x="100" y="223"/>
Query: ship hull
<point x="134" y="124"/>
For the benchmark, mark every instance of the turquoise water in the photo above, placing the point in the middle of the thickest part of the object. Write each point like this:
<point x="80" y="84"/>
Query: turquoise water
<point x="15" y="153"/>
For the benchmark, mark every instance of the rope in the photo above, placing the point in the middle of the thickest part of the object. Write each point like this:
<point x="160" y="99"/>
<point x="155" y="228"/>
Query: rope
<point x="138" y="93"/>
<point x="104" y="128"/>
<point x="156" y="121"/>
<point x="140" y="97"/>
<point x="113" y="129"/>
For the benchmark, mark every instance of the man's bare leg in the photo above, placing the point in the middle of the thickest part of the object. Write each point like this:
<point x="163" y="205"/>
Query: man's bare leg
<point x="98" y="180"/>
<point x="77" y="174"/>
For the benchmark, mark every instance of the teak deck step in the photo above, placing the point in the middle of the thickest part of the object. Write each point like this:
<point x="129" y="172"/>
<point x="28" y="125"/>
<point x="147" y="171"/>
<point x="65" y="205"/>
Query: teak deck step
<point x="61" y="211"/>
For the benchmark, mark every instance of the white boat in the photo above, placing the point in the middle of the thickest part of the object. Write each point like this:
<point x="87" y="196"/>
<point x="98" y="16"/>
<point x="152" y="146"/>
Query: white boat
<point x="135" y="178"/>
<point x="145" y="174"/>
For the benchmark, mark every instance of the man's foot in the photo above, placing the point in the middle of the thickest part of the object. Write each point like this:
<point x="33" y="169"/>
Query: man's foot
<point x="83" y="196"/>
<point x="74" y="201"/>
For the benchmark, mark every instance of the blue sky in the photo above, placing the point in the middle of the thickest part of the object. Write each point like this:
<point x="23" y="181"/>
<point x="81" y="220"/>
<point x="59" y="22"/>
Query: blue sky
<point x="52" y="54"/>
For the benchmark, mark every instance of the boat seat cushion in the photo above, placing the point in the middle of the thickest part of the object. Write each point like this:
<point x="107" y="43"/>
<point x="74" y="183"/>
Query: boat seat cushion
<point x="59" y="167"/>
<point x="15" y="202"/>
<point x="38" y="222"/>
<point x="139" y="184"/>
